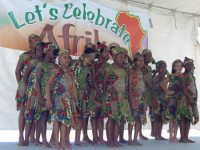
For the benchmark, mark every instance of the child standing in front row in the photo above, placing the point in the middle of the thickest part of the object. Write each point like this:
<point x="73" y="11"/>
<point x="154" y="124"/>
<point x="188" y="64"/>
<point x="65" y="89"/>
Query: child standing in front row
<point x="175" y="87"/>
<point x="31" y="93"/>
<point x="24" y="60"/>
<point x="160" y="94"/>
<point x="82" y="71"/>
<point x="187" y="110"/>
<point x="137" y="98"/>
<point x="63" y="101"/>
<point x="148" y="80"/>
<point x="115" y="104"/>
<point x="43" y="72"/>
<point x="97" y="120"/>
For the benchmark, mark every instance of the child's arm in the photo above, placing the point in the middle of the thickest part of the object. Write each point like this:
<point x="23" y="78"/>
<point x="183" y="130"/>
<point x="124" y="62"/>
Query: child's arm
<point x="48" y="91"/>
<point x="19" y="68"/>
<point x="165" y="84"/>
<point x="105" y="78"/>
<point x="38" y="85"/>
<point x="154" y="100"/>
<point x="75" y="91"/>
<point x="27" y="74"/>
<point x="130" y="87"/>
<point x="94" y="81"/>
<point x="185" y="91"/>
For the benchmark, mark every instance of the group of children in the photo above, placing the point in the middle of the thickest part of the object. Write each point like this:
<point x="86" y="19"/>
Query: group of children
<point x="52" y="87"/>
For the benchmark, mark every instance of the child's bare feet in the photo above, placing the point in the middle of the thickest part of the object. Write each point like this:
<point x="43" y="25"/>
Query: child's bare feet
<point x="65" y="147"/>
<point x="152" y="134"/>
<point x="183" y="141"/>
<point x="25" y="143"/>
<point x="87" y="140"/>
<point x="37" y="142"/>
<point x="32" y="140"/>
<point x="171" y="139"/>
<point x="95" y="142"/>
<point x="136" y="143"/>
<point x="130" y="143"/>
<point x="78" y="143"/>
<point x="52" y="142"/>
<point x="21" y="141"/>
<point x="162" y="138"/>
<point x="143" y="137"/>
<point x="110" y="144"/>
<point x="101" y="141"/>
<point x="190" y="141"/>
<point x="57" y="146"/>
<point x="176" y="140"/>
<point x="68" y="145"/>
<point x="46" y="144"/>
<point x="123" y="141"/>
<point x="117" y="144"/>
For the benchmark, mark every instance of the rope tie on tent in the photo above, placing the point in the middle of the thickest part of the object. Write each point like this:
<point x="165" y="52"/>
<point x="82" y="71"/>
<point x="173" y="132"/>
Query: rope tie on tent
<point x="150" y="20"/>
<point x="174" y="16"/>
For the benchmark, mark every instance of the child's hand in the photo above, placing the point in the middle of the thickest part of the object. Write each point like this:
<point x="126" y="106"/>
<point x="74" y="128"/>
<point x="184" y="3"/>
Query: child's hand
<point x="170" y="92"/>
<point x="155" y="104"/>
<point x="99" y="92"/>
<point x="42" y="102"/>
<point x="48" y="104"/>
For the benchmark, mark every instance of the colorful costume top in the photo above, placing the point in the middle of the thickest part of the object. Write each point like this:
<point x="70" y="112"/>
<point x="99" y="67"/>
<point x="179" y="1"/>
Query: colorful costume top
<point x="175" y="87"/>
<point x="137" y="92"/>
<point x="46" y="68"/>
<point x="96" y="98"/>
<point x="65" y="98"/>
<point x="116" y="104"/>
<point x="31" y="93"/>
<point x="148" y="80"/>
<point x="183" y="107"/>
<point x="160" y="97"/>
<point x="20" y="97"/>
<point x="81" y="73"/>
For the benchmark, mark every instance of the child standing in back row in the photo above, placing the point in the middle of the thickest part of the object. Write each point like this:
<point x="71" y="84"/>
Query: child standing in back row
<point x="148" y="80"/>
<point x="24" y="60"/>
<point x="31" y="92"/>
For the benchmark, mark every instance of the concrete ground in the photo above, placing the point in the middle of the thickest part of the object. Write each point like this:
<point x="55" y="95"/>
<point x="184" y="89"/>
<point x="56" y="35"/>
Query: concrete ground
<point x="8" y="141"/>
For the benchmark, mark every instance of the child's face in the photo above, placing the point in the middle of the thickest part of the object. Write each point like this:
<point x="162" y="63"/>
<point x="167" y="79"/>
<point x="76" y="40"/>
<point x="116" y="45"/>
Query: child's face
<point x="162" y="69"/>
<point x="140" y="62"/>
<point x="189" y="67"/>
<point x="148" y="57"/>
<point x="34" y="42"/>
<point x="120" y="59"/>
<point x="89" y="59"/>
<point x="64" y="59"/>
<point x="39" y="51"/>
<point x="50" y="54"/>
<point x="105" y="54"/>
<point x="178" y="67"/>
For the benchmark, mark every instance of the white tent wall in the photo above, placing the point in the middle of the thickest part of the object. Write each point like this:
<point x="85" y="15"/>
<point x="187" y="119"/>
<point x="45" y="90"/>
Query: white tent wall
<point x="167" y="42"/>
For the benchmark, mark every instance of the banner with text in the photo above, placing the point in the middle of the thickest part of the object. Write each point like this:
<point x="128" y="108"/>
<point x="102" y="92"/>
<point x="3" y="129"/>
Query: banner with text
<point x="71" y="24"/>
